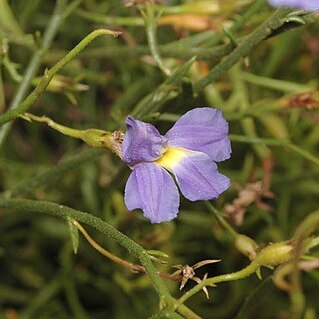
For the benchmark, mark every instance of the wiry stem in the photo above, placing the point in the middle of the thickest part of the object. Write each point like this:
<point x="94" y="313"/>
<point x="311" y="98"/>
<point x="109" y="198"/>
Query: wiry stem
<point x="104" y="252"/>
<point x="277" y="20"/>
<point x="34" y="64"/>
<point x="93" y="137"/>
<point x="48" y="75"/>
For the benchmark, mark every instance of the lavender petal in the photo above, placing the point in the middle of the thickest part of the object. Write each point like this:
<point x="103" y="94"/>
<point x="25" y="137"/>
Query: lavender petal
<point x="302" y="4"/>
<point x="153" y="190"/>
<point x="204" y="130"/>
<point x="198" y="178"/>
<point x="142" y="142"/>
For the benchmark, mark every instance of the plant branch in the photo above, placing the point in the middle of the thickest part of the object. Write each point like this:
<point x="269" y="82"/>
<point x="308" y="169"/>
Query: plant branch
<point x="107" y="254"/>
<point x="65" y="212"/>
<point x="48" y="75"/>
<point x="276" y="21"/>
<point x="150" y="25"/>
<point x="241" y="274"/>
<point x="34" y="64"/>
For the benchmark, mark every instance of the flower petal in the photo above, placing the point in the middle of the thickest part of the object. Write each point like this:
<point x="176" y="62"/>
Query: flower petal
<point x="153" y="190"/>
<point x="302" y="4"/>
<point x="204" y="130"/>
<point x="142" y="142"/>
<point x="197" y="176"/>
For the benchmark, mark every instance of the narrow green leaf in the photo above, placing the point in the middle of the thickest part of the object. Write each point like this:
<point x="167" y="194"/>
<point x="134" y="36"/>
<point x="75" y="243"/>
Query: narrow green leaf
<point x="74" y="234"/>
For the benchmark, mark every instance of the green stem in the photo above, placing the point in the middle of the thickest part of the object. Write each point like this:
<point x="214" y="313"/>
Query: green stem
<point x="279" y="85"/>
<point x="248" y="124"/>
<point x="167" y="50"/>
<point x="93" y="137"/>
<point x="48" y="75"/>
<point x="187" y="313"/>
<point x="150" y="24"/>
<point x="34" y="65"/>
<point x="241" y="274"/>
<point x="304" y="230"/>
<point x="277" y="20"/>
<point x="65" y="212"/>
<point x="272" y="142"/>
<point x="110" y="20"/>
<point x="251" y="12"/>
<point x="222" y="220"/>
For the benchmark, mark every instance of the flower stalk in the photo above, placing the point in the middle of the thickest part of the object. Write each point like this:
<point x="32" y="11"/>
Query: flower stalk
<point x="272" y="255"/>
<point x="167" y="302"/>
<point x="93" y="137"/>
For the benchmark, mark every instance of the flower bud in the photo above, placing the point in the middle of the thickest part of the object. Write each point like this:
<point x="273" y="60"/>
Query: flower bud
<point x="103" y="139"/>
<point x="61" y="83"/>
<point x="246" y="246"/>
<point x="275" y="254"/>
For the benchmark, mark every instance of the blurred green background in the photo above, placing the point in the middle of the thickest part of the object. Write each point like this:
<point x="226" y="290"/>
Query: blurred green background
<point x="270" y="93"/>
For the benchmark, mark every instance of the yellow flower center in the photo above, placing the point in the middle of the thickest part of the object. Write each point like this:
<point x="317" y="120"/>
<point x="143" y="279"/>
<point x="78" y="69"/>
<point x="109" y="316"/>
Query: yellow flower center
<point x="172" y="157"/>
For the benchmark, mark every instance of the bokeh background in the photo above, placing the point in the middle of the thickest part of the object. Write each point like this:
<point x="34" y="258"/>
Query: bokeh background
<point x="270" y="98"/>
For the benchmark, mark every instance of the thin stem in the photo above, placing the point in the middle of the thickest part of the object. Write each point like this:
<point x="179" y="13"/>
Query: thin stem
<point x="166" y="300"/>
<point x="277" y="20"/>
<point x="304" y="230"/>
<point x="107" y="254"/>
<point x="150" y="24"/>
<point x="222" y="220"/>
<point x="93" y="137"/>
<point x="65" y="212"/>
<point x="48" y="75"/>
<point x="270" y="83"/>
<point x="241" y="274"/>
<point x="132" y="267"/>
<point x="34" y="64"/>
<point x="251" y="12"/>
<point x="65" y="130"/>
<point x="167" y="50"/>
<point x="110" y="20"/>
<point x="188" y="313"/>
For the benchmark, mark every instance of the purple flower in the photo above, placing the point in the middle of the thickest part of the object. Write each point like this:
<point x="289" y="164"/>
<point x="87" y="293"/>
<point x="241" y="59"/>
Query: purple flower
<point x="188" y="150"/>
<point x="302" y="4"/>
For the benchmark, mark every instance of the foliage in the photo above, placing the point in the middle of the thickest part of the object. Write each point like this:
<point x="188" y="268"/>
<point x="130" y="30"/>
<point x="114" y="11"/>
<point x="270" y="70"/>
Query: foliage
<point x="87" y="64"/>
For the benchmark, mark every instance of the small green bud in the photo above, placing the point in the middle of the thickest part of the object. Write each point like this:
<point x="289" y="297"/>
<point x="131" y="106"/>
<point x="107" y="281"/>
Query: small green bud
<point x="275" y="254"/>
<point x="104" y="139"/>
<point x="61" y="83"/>
<point x="246" y="246"/>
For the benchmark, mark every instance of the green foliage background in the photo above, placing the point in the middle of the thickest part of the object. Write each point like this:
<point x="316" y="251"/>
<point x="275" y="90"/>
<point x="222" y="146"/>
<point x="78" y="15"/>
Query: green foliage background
<point x="265" y="79"/>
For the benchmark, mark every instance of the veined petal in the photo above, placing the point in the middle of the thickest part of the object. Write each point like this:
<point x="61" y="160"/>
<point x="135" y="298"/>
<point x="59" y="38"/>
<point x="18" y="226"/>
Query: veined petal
<point x="196" y="173"/>
<point x="204" y="130"/>
<point x="153" y="190"/>
<point x="142" y="142"/>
